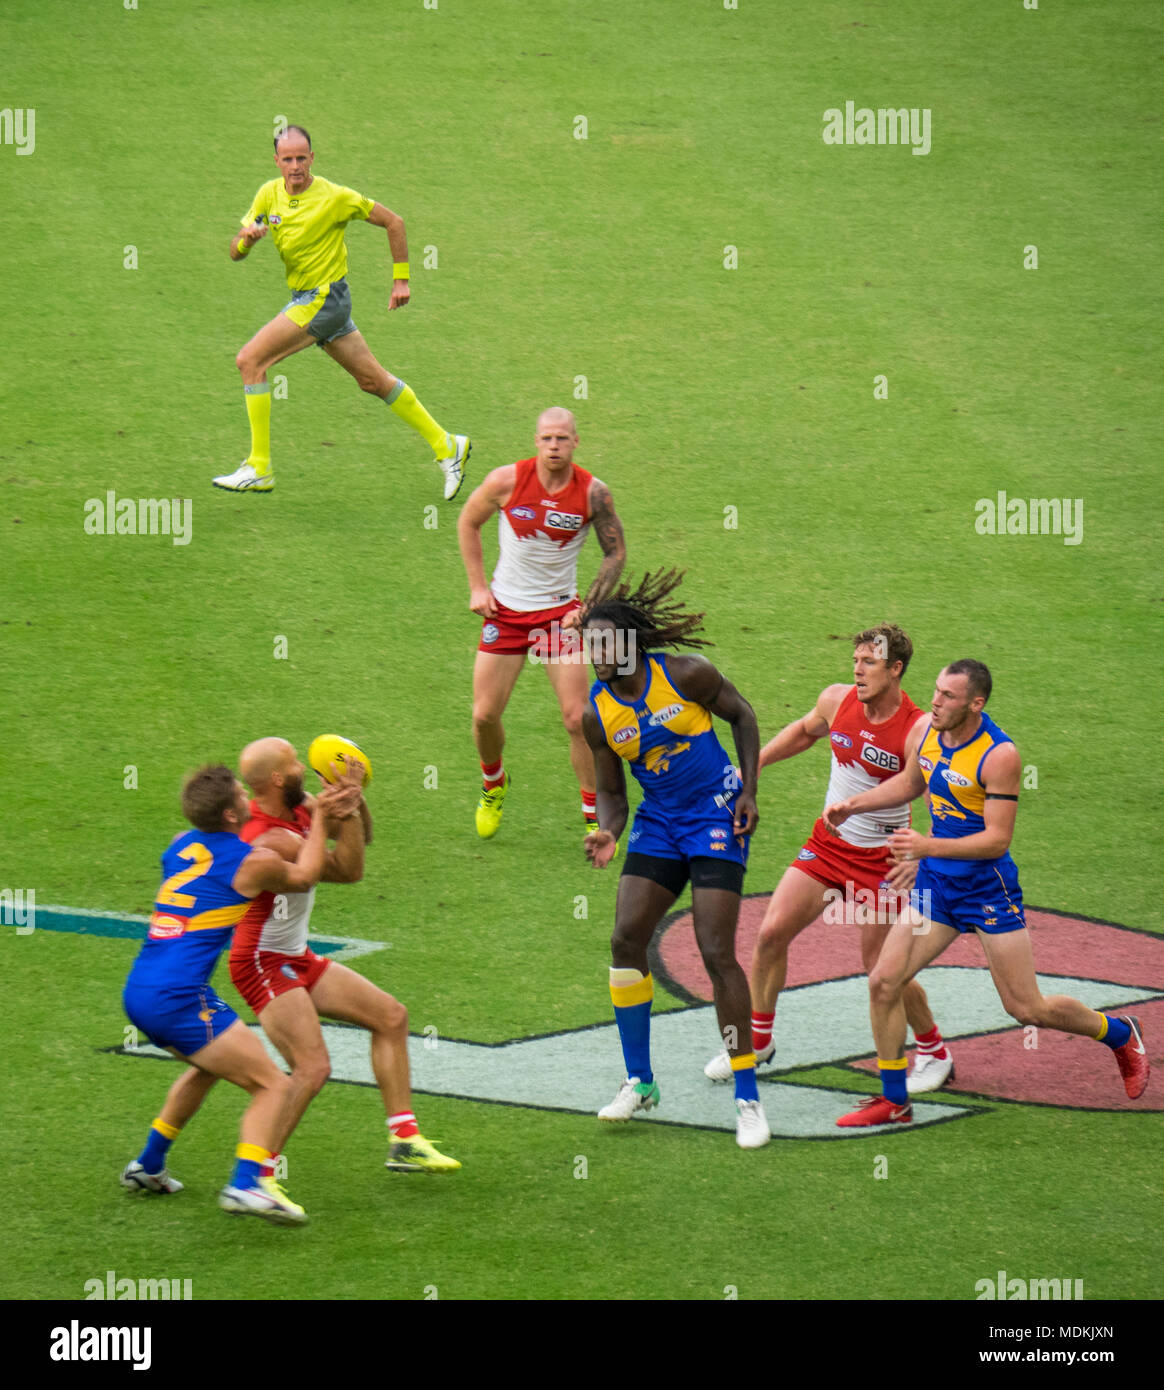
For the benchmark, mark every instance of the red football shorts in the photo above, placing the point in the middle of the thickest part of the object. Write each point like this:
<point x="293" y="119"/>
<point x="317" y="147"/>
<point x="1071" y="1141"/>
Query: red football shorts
<point x="260" y="976"/>
<point x="512" y="633"/>
<point x="837" y="864"/>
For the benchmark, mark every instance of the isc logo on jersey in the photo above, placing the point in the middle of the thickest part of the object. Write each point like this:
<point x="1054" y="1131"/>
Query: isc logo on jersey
<point x="661" y="716"/>
<point x="888" y="762"/>
<point x="955" y="778"/>
<point x="842" y="740"/>
<point x="564" y="521"/>
<point x="624" y="735"/>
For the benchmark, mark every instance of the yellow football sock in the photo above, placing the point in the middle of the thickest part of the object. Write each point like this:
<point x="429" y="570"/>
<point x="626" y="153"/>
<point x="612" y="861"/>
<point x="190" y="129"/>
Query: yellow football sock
<point x="258" y="400"/>
<point x="403" y="401"/>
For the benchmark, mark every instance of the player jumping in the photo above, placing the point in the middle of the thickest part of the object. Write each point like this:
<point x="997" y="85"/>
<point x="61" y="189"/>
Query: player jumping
<point x="308" y="217"/>
<point x="655" y="713"/>
<point x="867" y="723"/>
<point x="545" y="506"/>
<point x="210" y="877"/>
<point x="966" y="881"/>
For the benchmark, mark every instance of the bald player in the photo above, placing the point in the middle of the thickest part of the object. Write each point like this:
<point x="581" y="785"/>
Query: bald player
<point x="288" y="985"/>
<point x="307" y="218"/>
<point x="546" y="506"/>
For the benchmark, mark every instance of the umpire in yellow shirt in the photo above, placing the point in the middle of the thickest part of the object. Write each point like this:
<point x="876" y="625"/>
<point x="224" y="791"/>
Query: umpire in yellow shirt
<point x="307" y="218"/>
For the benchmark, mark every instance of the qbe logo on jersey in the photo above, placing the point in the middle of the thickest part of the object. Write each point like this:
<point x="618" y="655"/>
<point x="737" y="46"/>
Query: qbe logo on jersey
<point x="564" y="521"/>
<point x="887" y="762"/>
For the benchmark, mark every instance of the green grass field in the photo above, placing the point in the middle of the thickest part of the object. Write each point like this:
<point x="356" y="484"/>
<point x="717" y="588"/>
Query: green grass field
<point x="713" y="396"/>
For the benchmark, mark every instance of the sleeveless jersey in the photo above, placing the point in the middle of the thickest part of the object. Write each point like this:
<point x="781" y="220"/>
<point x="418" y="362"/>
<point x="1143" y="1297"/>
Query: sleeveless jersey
<point x="668" y="740"/>
<point x="864" y="756"/>
<point x="195" y="910"/>
<point x="957" y="795"/>
<point x="266" y="926"/>
<point x="540" y="537"/>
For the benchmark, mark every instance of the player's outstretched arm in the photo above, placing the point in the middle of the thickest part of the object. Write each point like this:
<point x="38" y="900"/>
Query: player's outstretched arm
<point x="697" y="679"/>
<point x="483" y="502"/>
<point x="611" y="794"/>
<point x="802" y="733"/>
<point x="907" y="785"/>
<point x="608" y="529"/>
<point x="380" y="216"/>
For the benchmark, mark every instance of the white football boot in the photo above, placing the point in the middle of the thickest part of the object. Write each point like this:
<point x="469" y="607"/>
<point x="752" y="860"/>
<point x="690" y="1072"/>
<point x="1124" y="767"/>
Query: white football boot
<point x="245" y="479"/>
<point x="453" y="467"/>
<point x="134" y="1178"/>
<point x="266" y="1199"/>
<point x="929" y="1072"/>
<point x="752" y="1130"/>
<point x="633" y="1095"/>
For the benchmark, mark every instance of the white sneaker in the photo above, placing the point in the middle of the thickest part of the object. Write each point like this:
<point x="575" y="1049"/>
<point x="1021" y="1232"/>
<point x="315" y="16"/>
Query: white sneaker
<point x="929" y="1072"/>
<point x="720" y="1066"/>
<point x="633" y="1095"/>
<point x="134" y="1178"/>
<point x="752" y="1130"/>
<point x="267" y="1199"/>
<point x="245" y="479"/>
<point x="453" y="467"/>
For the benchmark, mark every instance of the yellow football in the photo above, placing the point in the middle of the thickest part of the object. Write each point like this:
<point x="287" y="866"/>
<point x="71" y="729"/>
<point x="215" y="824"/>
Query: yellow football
<point x="332" y="748"/>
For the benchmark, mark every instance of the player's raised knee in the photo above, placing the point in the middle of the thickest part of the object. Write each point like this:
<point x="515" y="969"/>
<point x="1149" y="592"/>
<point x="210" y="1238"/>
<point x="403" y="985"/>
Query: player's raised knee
<point x="1028" y="1012"/>
<point x="314" y="1070"/>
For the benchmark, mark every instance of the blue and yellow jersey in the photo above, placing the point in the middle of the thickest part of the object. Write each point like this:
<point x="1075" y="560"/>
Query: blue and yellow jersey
<point x="957" y="795"/>
<point x="308" y="229"/>
<point x="195" y="911"/>
<point x="668" y="741"/>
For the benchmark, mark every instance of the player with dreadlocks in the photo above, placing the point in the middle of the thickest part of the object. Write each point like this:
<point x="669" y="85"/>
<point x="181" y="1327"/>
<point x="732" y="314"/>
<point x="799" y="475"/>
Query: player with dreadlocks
<point x="655" y="713"/>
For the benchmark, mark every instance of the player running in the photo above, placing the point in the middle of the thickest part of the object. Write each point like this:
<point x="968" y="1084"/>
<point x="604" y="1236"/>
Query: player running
<point x="966" y="881"/>
<point x="868" y="723"/>
<point x="655" y="713"/>
<point x="289" y="986"/>
<point x="546" y="506"/>
<point x="308" y="218"/>
<point x="210" y="877"/>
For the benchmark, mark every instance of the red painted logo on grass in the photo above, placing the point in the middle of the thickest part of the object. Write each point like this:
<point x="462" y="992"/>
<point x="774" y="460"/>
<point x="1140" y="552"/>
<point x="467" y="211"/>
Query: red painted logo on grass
<point x="1060" y="1069"/>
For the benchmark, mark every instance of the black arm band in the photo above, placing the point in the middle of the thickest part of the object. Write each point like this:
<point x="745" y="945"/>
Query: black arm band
<point x="1000" y="796"/>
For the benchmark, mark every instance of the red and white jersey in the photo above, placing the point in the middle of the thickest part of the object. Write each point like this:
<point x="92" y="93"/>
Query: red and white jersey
<point x="864" y="756"/>
<point x="275" y="922"/>
<point x="541" y="536"/>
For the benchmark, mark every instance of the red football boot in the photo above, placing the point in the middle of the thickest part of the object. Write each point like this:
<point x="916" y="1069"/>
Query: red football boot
<point x="877" y="1110"/>
<point x="1133" y="1060"/>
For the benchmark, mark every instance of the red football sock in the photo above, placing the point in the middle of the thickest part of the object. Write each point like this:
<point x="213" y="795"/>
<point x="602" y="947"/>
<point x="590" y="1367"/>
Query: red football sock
<point x="403" y="1126"/>
<point x="762" y="1029"/>
<point x="931" y="1044"/>
<point x="493" y="774"/>
<point x="590" y="805"/>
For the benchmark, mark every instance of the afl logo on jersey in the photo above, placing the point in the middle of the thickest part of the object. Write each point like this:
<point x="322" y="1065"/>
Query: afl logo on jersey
<point x="806" y="854"/>
<point x="625" y="735"/>
<point x="523" y="513"/>
<point x="842" y="740"/>
<point x="925" y="764"/>
<point x="956" y="779"/>
<point x="564" y="521"/>
<point x="490" y="633"/>
<point x="888" y="762"/>
<point x="661" y="716"/>
<point x="718" y="833"/>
